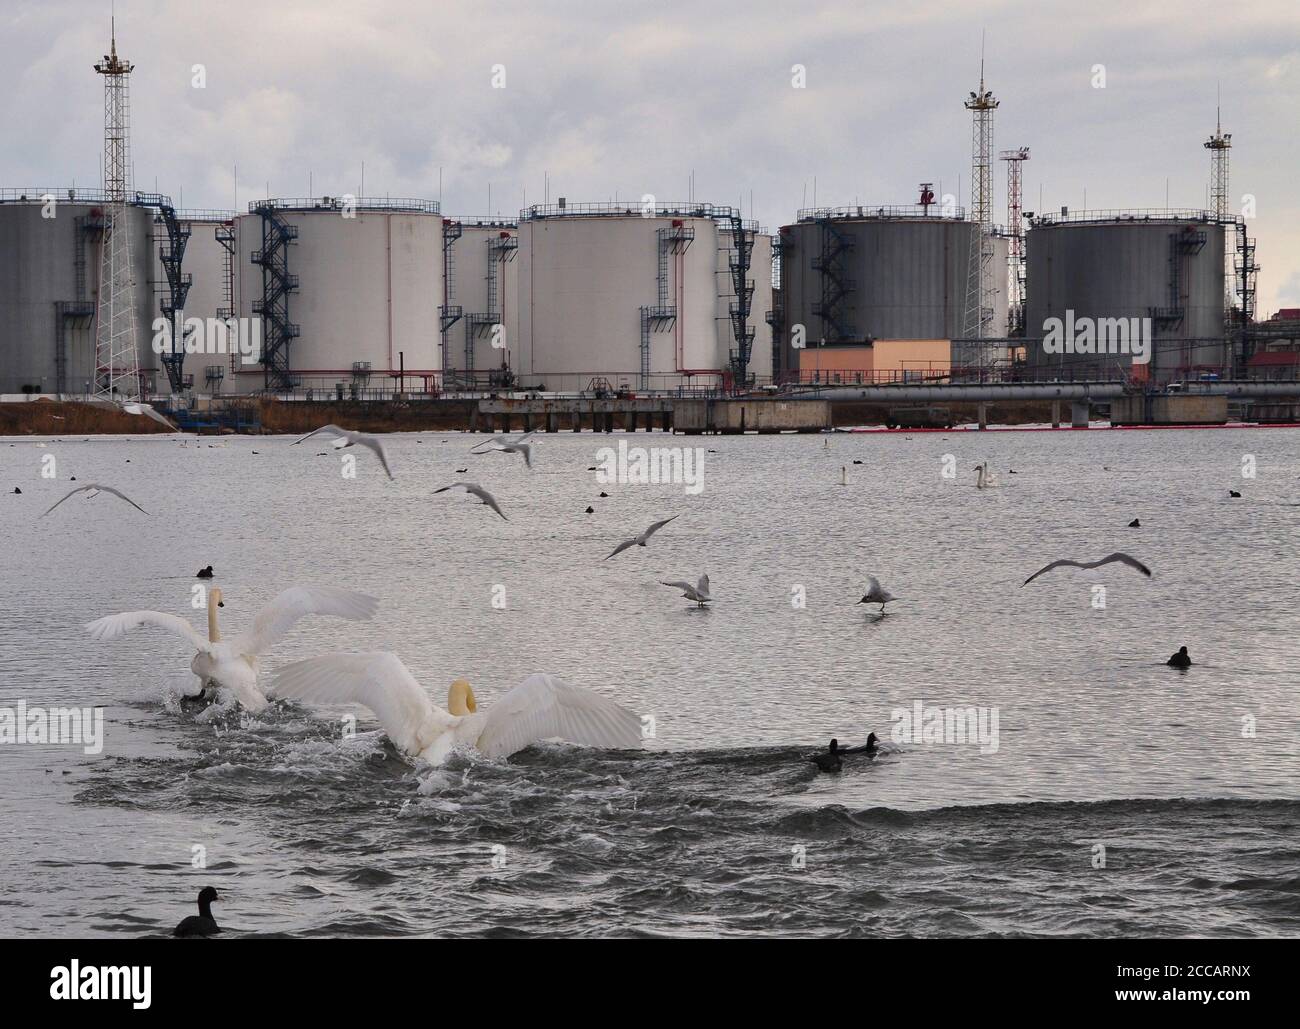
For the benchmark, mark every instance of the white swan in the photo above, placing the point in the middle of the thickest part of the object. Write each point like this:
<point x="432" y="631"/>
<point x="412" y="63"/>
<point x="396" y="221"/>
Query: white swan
<point x="539" y="708"/>
<point x="232" y="665"/>
<point x="983" y="477"/>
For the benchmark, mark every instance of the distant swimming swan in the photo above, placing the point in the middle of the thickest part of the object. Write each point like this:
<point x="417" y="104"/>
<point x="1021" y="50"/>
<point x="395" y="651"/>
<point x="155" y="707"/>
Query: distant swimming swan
<point x="539" y="708"/>
<point x="983" y="477"/>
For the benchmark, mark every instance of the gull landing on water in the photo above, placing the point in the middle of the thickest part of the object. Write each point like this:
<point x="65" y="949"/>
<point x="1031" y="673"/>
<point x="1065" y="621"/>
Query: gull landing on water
<point x="698" y="593"/>
<point x="639" y="541"/>
<point x="233" y="664"/>
<point x="94" y="489"/>
<point x="348" y="438"/>
<point x="876" y="595"/>
<point x="1117" y="557"/>
<point x="540" y="708"/>
<point x="478" y="491"/>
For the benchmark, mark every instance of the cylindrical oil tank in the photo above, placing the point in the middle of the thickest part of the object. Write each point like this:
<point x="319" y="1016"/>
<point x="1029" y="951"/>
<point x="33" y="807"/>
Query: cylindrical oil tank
<point x="897" y="272"/>
<point x="641" y="300"/>
<point x="50" y="258"/>
<point x="480" y="323"/>
<point x="1167" y="266"/>
<point x="209" y="263"/>
<point x="348" y="291"/>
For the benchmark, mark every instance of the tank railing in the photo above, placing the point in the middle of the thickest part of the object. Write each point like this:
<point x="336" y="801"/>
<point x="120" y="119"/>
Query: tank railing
<point x="1156" y="214"/>
<point x="352" y="203"/>
<point x="486" y="221"/>
<point x="635" y="207"/>
<point x="204" y="214"/>
<point x="934" y="212"/>
<point x="77" y="195"/>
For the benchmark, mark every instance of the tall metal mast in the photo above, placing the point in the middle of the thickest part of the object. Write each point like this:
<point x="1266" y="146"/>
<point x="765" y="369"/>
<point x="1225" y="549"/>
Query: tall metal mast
<point x="1218" y="145"/>
<point x="979" y="288"/>
<point x="117" y="359"/>
<point x="1016" y="244"/>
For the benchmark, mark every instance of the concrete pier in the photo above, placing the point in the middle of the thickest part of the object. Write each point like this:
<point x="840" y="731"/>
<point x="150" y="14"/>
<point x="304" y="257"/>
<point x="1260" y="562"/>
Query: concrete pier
<point x="732" y="417"/>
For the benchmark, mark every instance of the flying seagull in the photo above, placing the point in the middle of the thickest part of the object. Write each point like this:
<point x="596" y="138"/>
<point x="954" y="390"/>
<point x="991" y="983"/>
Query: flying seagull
<point x="347" y="438"/>
<point x="478" y="491"/>
<point x="698" y="593"/>
<point x="508" y="446"/>
<point x="95" y="488"/>
<point x="639" y="541"/>
<point x="137" y="407"/>
<point x="876" y="595"/>
<point x="1125" y="559"/>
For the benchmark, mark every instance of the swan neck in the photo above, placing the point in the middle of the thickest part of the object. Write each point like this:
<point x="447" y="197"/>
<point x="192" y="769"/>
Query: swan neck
<point x="460" y="699"/>
<point x="214" y="630"/>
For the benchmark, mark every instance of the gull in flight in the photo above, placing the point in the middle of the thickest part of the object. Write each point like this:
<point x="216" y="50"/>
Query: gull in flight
<point x="1124" y="559"/>
<point x="698" y="593"/>
<point x="233" y="664"/>
<point x="347" y="438"/>
<point x="94" y="489"/>
<point x="876" y="595"/>
<point x="137" y="407"/>
<point x="540" y="708"/>
<point x="478" y="491"/>
<point x="508" y="446"/>
<point x="639" y="541"/>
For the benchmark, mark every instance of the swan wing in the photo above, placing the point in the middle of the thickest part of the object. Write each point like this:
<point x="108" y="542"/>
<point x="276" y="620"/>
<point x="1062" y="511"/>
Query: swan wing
<point x="275" y="620"/>
<point x="542" y="708"/>
<point x="110" y="627"/>
<point x="376" y="680"/>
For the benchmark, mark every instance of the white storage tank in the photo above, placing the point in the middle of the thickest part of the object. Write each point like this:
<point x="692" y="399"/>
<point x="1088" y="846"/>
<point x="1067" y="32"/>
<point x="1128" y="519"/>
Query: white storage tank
<point x="641" y="300"/>
<point x="348" y="290"/>
<point x="480" y="321"/>
<point x="50" y="260"/>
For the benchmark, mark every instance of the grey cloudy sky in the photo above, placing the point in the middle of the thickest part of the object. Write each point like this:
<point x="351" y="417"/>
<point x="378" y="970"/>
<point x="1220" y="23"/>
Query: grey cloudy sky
<point x="628" y="98"/>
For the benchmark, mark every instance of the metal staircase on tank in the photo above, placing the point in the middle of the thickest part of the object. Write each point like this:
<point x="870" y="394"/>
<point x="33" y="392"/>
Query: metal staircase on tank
<point x="669" y="242"/>
<point x="171" y="238"/>
<point x="834" y="308"/>
<point x="1181" y="245"/>
<point x="739" y="261"/>
<point x="1246" y="272"/>
<point x="449" y="314"/>
<point x="501" y="249"/>
<point x="225" y="235"/>
<point x="277" y="284"/>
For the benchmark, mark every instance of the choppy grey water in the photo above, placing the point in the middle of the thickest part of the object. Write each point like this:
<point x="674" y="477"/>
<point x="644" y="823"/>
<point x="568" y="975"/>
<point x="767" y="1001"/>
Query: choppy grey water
<point x="720" y="826"/>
